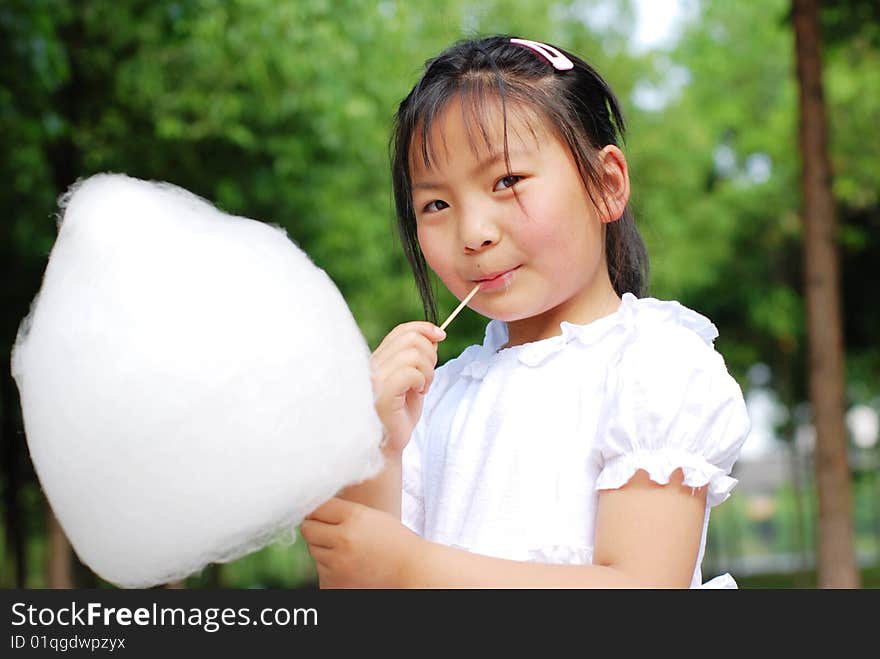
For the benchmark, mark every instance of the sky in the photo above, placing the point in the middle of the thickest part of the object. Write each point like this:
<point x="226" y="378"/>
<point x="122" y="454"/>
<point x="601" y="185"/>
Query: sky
<point x="657" y="21"/>
<point x="657" y="24"/>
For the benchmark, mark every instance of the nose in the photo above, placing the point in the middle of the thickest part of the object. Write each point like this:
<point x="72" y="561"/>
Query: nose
<point x="478" y="231"/>
<point x="483" y="245"/>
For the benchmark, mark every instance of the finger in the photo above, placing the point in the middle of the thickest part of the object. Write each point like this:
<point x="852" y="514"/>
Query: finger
<point x="321" y="555"/>
<point x="318" y="534"/>
<point x="334" y="511"/>
<point x="392" y="396"/>
<point x="408" y="334"/>
<point x="396" y="384"/>
<point x="414" y="357"/>
<point x="414" y="346"/>
<point x="423" y="327"/>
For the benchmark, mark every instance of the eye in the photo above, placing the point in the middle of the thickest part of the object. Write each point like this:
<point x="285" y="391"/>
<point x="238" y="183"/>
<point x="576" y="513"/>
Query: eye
<point x="507" y="182"/>
<point x="434" y="206"/>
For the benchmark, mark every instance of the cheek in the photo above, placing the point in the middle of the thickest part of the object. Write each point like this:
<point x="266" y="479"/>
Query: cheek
<point x="436" y="250"/>
<point x="560" y="218"/>
<point x="541" y="230"/>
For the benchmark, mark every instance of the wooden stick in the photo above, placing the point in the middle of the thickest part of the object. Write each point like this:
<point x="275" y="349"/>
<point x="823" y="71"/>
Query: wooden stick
<point x="460" y="307"/>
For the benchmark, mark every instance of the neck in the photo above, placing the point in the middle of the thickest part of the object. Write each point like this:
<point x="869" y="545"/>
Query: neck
<point x="597" y="303"/>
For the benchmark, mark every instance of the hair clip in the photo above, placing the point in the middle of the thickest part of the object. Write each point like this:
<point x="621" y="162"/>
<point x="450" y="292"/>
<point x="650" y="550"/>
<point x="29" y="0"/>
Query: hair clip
<point x="559" y="61"/>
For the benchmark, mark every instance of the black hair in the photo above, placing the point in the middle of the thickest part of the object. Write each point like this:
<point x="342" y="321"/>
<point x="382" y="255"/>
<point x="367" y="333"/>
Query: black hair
<point x="578" y="103"/>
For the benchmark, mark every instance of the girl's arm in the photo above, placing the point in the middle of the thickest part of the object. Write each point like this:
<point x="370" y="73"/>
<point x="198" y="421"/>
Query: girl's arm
<point x="402" y="369"/>
<point x="382" y="492"/>
<point x="647" y="535"/>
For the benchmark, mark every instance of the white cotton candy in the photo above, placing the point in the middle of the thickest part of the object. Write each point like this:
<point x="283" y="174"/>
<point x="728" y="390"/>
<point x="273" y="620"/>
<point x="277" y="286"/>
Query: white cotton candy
<point x="191" y="384"/>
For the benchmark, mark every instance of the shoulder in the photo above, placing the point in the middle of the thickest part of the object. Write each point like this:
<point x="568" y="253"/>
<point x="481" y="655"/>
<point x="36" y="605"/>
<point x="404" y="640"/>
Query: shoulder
<point x="672" y="403"/>
<point x="664" y="337"/>
<point x="669" y="373"/>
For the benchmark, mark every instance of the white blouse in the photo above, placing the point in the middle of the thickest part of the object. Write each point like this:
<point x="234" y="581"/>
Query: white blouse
<point x="514" y="443"/>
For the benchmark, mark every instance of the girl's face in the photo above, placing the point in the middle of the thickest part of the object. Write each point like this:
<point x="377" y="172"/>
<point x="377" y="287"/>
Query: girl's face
<point x="539" y="253"/>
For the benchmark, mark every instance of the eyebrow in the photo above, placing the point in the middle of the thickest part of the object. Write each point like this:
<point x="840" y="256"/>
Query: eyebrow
<point x="488" y="162"/>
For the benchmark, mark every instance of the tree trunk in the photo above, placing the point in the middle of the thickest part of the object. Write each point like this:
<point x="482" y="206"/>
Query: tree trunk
<point x="58" y="570"/>
<point x="11" y="441"/>
<point x="836" y="561"/>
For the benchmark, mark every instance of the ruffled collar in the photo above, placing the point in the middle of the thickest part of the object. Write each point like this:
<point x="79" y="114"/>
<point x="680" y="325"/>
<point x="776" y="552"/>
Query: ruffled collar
<point x="633" y="315"/>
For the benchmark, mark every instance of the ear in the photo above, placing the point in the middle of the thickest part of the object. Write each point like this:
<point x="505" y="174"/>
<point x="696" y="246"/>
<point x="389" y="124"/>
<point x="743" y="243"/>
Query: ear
<point x="615" y="183"/>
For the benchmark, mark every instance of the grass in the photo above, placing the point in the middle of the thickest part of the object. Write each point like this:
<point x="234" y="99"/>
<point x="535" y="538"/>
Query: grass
<point x="870" y="579"/>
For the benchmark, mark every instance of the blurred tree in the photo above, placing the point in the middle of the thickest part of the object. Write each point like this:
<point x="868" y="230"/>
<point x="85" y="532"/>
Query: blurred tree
<point x="721" y="210"/>
<point x="59" y="569"/>
<point x="34" y="66"/>
<point x="837" y="565"/>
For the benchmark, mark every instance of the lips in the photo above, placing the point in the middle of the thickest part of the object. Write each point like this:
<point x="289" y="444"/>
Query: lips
<point x="492" y="276"/>
<point x="500" y="280"/>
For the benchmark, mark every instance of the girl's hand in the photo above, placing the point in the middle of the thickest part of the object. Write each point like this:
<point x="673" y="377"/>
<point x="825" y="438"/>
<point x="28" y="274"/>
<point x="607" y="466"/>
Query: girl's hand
<point x="402" y="370"/>
<point x="355" y="546"/>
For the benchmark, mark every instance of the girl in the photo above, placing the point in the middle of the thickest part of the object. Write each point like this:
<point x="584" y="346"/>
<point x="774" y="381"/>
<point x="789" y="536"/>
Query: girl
<point x="584" y="442"/>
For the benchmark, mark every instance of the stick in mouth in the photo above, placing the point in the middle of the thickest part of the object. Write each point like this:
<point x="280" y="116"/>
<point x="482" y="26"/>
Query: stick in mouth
<point x="460" y="306"/>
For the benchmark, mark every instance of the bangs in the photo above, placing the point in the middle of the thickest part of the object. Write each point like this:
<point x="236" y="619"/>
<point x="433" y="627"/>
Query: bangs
<point x="524" y="111"/>
<point x="482" y="101"/>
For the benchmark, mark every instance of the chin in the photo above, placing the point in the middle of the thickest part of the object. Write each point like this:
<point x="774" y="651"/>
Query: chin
<point x="507" y="315"/>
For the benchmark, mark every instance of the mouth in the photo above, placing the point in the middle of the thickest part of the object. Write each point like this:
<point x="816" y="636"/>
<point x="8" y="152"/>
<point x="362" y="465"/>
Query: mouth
<point x="492" y="276"/>
<point x="496" y="279"/>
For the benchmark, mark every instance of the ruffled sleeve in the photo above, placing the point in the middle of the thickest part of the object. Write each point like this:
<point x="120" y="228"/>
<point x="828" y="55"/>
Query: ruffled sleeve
<point x="673" y="405"/>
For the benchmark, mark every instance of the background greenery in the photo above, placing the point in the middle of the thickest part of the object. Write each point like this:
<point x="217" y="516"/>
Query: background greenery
<point x="280" y="111"/>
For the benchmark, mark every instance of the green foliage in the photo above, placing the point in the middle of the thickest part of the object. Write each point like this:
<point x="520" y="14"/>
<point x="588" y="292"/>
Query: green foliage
<point x="870" y="578"/>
